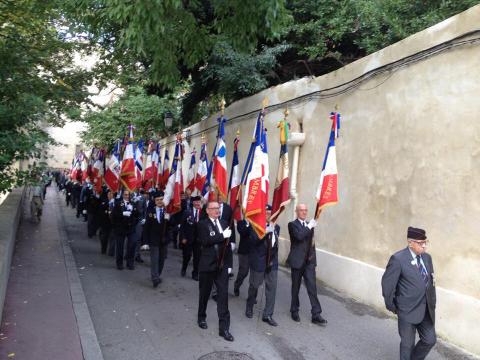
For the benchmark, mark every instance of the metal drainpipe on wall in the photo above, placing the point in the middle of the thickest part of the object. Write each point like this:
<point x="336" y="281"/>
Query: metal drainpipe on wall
<point x="296" y="140"/>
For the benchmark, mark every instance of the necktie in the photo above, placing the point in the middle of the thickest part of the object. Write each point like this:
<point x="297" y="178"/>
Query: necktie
<point x="422" y="270"/>
<point x="217" y="225"/>
<point x="196" y="215"/>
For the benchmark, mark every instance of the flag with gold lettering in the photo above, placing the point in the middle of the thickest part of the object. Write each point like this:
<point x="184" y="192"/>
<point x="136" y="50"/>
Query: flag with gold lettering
<point x="256" y="188"/>
<point x="327" y="191"/>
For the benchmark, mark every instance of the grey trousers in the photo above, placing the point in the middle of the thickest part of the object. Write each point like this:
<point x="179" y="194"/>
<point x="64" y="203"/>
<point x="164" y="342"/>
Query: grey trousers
<point x="256" y="279"/>
<point x="243" y="269"/>
<point x="426" y="332"/>
<point x="157" y="260"/>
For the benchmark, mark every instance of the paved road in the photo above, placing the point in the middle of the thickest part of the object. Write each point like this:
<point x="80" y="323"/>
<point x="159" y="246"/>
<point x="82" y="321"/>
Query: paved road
<point x="134" y="321"/>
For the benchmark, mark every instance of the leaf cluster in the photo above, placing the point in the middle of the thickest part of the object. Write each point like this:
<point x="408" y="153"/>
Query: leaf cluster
<point x="39" y="82"/>
<point x="135" y="107"/>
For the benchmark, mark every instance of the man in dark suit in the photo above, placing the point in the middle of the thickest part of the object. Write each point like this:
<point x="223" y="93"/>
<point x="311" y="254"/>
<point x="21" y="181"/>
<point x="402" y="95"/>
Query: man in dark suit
<point x="103" y="218"/>
<point x="188" y="236"/>
<point x="263" y="261"/>
<point x="303" y="260"/>
<point x="154" y="231"/>
<point x="216" y="254"/>
<point x="408" y="287"/>
<point x="124" y="217"/>
<point x="244" y="246"/>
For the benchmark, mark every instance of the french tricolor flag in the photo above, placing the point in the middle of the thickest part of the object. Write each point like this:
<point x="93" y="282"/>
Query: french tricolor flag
<point x="173" y="189"/>
<point x="112" y="172"/>
<point x="128" y="176"/>
<point x="234" y="185"/>
<point x="149" y="168"/>
<point x="139" y="163"/>
<point x="220" y="162"/>
<point x="98" y="172"/>
<point x="191" y="172"/>
<point x="202" y="169"/>
<point x="327" y="192"/>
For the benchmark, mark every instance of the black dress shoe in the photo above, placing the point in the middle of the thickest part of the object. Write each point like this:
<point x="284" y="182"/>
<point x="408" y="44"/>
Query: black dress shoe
<point x="119" y="267"/>
<point x="295" y="317"/>
<point x="269" y="320"/>
<point x="226" y="335"/>
<point x="130" y="267"/>
<point x="202" y="324"/>
<point x="139" y="259"/>
<point x="319" y="320"/>
<point x="249" y="312"/>
<point x="156" y="282"/>
<point x="183" y="272"/>
<point x="195" y="277"/>
<point x="236" y="291"/>
<point x="231" y="275"/>
<point x="214" y="297"/>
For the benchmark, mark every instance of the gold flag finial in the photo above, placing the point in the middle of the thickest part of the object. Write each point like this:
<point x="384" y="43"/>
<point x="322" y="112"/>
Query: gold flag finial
<point x="336" y="107"/>
<point x="264" y="103"/>
<point x="238" y="132"/>
<point x="222" y="106"/>
<point x="286" y="112"/>
<point x="204" y="138"/>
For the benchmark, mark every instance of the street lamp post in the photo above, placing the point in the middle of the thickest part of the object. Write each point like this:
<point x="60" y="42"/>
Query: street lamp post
<point x="168" y="119"/>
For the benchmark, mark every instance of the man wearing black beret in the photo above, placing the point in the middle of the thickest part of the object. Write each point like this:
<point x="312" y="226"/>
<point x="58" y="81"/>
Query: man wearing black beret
<point x="408" y="288"/>
<point x="154" y="232"/>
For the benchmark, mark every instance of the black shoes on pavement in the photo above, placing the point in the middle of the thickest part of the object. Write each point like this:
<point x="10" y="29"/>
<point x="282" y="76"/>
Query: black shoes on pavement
<point x="269" y="320"/>
<point x="156" y="282"/>
<point x="236" y="291"/>
<point x="249" y="312"/>
<point x="295" y="317"/>
<point x="202" y="324"/>
<point x="319" y="320"/>
<point x="226" y="335"/>
<point x="139" y="259"/>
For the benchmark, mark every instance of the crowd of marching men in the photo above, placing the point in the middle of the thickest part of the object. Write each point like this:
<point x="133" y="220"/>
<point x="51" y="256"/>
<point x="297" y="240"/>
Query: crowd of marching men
<point x="164" y="211"/>
<point x="206" y="233"/>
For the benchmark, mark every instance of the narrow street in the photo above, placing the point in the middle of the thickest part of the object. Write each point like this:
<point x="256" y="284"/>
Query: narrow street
<point x="134" y="321"/>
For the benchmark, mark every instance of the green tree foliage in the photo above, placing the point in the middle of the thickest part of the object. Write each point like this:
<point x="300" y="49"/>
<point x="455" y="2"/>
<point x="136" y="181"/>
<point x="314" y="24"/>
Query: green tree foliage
<point x="163" y="41"/>
<point x="135" y="107"/>
<point x="39" y="83"/>
<point x="237" y="48"/>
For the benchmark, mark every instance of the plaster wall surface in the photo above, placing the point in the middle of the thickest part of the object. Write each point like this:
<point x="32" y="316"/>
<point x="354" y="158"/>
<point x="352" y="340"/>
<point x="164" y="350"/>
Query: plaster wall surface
<point x="408" y="154"/>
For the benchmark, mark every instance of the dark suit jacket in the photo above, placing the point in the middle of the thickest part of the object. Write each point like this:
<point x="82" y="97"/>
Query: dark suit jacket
<point x="404" y="290"/>
<point x="153" y="230"/>
<point x="188" y="229"/>
<point x="262" y="256"/>
<point x="123" y="224"/>
<point x="213" y="246"/>
<point x="302" y="247"/>
<point x="244" y="232"/>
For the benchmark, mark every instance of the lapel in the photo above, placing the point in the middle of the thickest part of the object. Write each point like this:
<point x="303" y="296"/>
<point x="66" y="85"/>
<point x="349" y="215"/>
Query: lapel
<point x="412" y="267"/>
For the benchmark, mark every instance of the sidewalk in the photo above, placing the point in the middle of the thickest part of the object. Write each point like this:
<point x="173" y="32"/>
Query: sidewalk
<point x="39" y="320"/>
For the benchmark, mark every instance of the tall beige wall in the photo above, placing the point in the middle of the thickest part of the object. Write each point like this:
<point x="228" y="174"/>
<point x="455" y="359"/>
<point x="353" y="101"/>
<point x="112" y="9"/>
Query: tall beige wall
<point x="408" y="154"/>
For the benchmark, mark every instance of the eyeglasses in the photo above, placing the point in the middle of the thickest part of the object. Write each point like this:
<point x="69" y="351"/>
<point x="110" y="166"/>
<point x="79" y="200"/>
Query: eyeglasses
<point x="420" y="242"/>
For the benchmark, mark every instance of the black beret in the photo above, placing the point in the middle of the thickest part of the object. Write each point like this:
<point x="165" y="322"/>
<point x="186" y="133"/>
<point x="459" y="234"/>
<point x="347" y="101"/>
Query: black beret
<point x="158" y="194"/>
<point x="416" y="234"/>
<point x="196" y="198"/>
